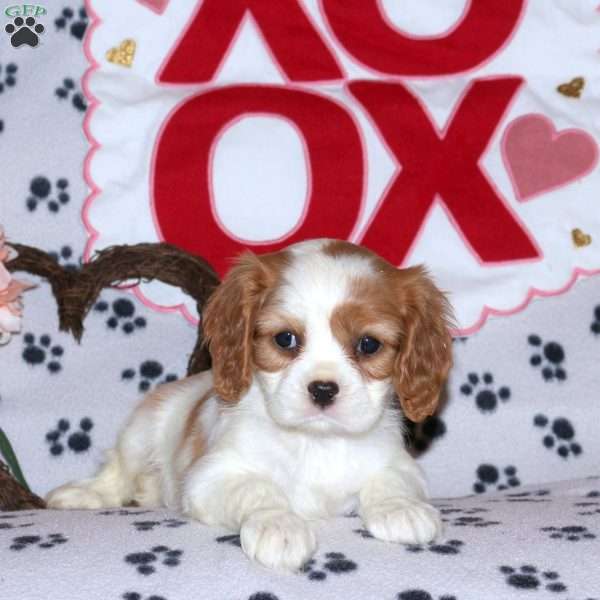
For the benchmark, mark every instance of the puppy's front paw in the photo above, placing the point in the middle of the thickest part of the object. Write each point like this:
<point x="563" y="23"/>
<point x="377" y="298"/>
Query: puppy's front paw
<point x="278" y="540"/>
<point x="403" y="520"/>
<point x="72" y="496"/>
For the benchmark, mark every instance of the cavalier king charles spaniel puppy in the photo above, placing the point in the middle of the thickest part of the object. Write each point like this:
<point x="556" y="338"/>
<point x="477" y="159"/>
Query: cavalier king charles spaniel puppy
<point x="318" y="352"/>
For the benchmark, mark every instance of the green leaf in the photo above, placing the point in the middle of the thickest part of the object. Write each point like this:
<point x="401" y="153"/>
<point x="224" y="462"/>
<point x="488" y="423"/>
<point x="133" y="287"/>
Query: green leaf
<point x="11" y="460"/>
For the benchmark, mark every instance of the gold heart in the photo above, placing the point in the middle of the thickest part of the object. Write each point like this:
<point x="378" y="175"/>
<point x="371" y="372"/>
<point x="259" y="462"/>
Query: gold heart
<point x="581" y="239"/>
<point x="573" y="88"/>
<point x="122" y="54"/>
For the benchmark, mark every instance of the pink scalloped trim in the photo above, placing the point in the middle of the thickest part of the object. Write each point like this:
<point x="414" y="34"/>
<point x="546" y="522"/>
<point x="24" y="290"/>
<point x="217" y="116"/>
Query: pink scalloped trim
<point x="93" y="103"/>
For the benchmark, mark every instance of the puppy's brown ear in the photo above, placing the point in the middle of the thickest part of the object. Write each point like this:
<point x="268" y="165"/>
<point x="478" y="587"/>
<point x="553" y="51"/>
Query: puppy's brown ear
<point x="425" y="356"/>
<point x="228" y="323"/>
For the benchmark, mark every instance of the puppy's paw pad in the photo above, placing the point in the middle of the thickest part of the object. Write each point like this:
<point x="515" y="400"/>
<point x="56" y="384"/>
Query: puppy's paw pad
<point x="403" y="521"/>
<point x="278" y="540"/>
<point x="73" y="497"/>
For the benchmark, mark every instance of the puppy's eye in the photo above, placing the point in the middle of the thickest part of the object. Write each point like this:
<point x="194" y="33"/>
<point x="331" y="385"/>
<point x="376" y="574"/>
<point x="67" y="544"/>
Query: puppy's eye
<point x="286" y="340"/>
<point x="368" y="345"/>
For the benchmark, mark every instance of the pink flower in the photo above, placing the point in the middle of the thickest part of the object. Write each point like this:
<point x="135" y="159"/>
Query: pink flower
<point x="11" y="307"/>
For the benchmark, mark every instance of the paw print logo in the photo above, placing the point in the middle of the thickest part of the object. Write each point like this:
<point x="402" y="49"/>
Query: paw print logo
<point x="77" y="23"/>
<point x="68" y="90"/>
<point x="421" y="595"/>
<point x="145" y="562"/>
<point x="572" y="533"/>
<point x="29" y="541"/>
<point x="41" y="191"/>
<point x="8" y="76"/>
<point x="487" y="397"/>
<point x="24" y="31"/>
<point x="550" y="357"/>
<point x="562" y="436"/>
<point x="448" y="548"/>
<point x="78" y="441"/>
<point x="36" y="353"/>
<point x="489" y="476"/>
<point x="420" y="436"/>
<point x="151" y="525"/>
<point x="149" y="372"/>
<point x="122" y="313"/>
<point x="528" y="577"/>
<point x="63" y="257"/>
<point x="335" y="562"/>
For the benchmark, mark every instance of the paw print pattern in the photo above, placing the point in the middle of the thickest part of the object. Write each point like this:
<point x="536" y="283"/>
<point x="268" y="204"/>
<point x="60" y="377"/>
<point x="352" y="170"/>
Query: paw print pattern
<point x="420" y="436"/>
<point x="487" y="397"/>
<point x="8" y="76"/>
<point x="63" y="257"/>
<point x="78" y="441"/>
<point x="123" y="314"/>
<point x="24" y="31"/>
<point x="528" y="577"/>
<point x="150" y="525"/>
<point x="421" y="595"/>
<point x="232" y="540"/>
<point x="466" y="517"/>
<point x="41" y="191"/>
<point x="145" y="562"/>
<point x="68" y="90"/>
<point x="77" y="24"/>
<point x="448" y="548"/>
<point x="561" y="437"/>
<point x="572" y="533"/>
<point x="149" y="372"/>
<point x="489" y="476"/>
<point x="335" y="562"/>
<point x="4" y="526"/>
<point x="29" y="541"/>
<point x="138" y="596"/>
<point x="550" y="357"/>
<point x="122" y="512"/>
<point x="36" y="353"/>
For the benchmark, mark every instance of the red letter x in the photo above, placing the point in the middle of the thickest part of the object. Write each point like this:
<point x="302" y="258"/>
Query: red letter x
<point x="444" y="165"/>
<point x="295" y="43"/>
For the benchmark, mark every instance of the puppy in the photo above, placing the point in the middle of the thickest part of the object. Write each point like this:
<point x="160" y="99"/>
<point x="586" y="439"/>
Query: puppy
<point x="313" y="347"/>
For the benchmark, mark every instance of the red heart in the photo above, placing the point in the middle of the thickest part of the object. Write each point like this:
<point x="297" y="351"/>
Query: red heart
<point x="539" y="159"/>
<point x="158" y="6"/>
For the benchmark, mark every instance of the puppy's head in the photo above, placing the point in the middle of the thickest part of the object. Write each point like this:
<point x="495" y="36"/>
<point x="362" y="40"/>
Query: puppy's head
<point x="331" y="332"/>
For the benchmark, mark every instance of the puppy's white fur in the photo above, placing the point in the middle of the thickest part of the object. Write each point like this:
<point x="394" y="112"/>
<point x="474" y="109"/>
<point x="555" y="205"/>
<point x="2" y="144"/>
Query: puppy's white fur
<point x="273" y="462"/>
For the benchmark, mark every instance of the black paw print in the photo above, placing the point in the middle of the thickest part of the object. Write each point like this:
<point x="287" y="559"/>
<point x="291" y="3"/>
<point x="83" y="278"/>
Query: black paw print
<point x="149" y="371"/>
<point x="420" y="436"/>
<point x="465" y="517"/>
<point x="63" y="257"/>
<point x="145" y="562"/>
<point x="1" y="125"/>
<point x="595" y="324"/>
<point x="8" y="76"/>
<point x="123" y="313"/>
<point x="78" y="441"/>
<point x="263" y="596"/>
<point x="150" y="525"/>
<point x="550" y="357"/>
<point x="28" y="541"/>
<point x="122" y="512"/>
<point x="77" y="27"/>
<point x="572" y="533"/>
<point x="67" y="89"/>
<point x="448" y="548"/>
<point x="14" y="525"/>
<point x="41" y="191"/>
<point x="489" y="475"/>
<point x="562" y="436"/>
<point x="24" y="31"/>
<point x="335" y="562"/>
<point x="36" y="353"/>
<point x="232" y="540"/>
<point x="528" y="577"/>
<point x="486" y="395"/>
<point x="364" y="533"/>
<point x="421" y="595"/>
<point x="138" y="596"/>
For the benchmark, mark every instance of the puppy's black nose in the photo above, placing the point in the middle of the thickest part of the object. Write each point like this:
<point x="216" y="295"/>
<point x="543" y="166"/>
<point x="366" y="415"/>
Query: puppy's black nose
<point x="323" y="392"/>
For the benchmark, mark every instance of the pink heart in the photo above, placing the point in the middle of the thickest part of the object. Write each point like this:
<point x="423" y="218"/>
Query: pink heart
<point x="158" y="6"/>
<point x="539" y="159"/>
